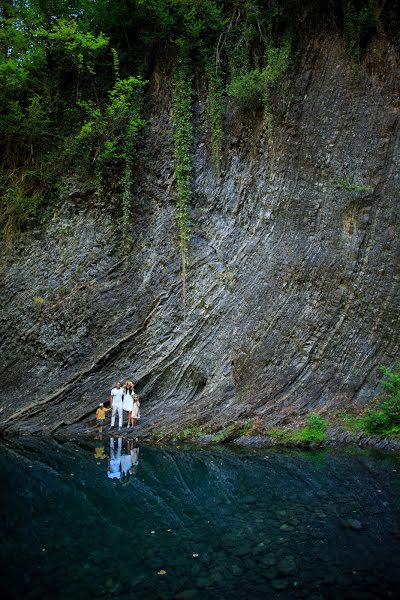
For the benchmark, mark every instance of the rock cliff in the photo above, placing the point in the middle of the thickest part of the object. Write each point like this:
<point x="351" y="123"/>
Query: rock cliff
<point x="292" y="296"/>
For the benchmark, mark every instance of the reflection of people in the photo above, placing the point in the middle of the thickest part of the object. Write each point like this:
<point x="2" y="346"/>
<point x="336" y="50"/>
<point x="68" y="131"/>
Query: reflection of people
<point x="129" y="461"/>
<point x="126" y="465"/>
<point x="114" y="464"/>
<point x="101" y="416"/>
<point x="99" y="453"/>
<point x="116" y="397"/>
<point x="135" y="459"/>
<point x="128" y="400"/>
<point x="136" y="410"/>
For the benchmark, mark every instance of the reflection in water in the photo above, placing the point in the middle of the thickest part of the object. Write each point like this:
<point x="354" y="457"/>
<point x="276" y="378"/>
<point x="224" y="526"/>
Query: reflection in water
<point x="207" y="523"/>
<point x="122" y="465"/>
<point x="114" y="465"/>
<point x="99" y="453"/>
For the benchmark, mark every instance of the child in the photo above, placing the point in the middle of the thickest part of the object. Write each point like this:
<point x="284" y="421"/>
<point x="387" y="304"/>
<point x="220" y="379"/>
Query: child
<point x="101" y="416"/>
<point x="135" y="411"/>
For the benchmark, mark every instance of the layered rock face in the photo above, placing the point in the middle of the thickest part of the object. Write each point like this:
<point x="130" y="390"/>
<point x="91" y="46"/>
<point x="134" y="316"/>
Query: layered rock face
<point x="292" y="296"/>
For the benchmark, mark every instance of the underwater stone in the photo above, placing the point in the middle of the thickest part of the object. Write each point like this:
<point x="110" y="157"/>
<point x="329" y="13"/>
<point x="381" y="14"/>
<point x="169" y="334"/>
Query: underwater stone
<point x="287" y="565"/>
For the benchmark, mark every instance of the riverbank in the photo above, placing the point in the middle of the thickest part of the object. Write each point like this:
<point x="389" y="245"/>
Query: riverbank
<point x="336" y="436"/>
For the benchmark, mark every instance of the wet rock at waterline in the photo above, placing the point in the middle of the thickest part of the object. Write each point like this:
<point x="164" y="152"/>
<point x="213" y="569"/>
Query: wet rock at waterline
<point x="292" y="291"/>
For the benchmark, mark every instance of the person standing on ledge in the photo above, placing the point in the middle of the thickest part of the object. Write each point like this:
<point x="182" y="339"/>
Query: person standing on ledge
<point x="136" y="410"/>
<point x="116" y="398"/>
<point x="101" y="416"/>
<point x="128" y="400"/>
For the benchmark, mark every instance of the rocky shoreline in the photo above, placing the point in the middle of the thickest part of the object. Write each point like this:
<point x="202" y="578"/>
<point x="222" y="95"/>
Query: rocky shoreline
<point x="336" y="438"/>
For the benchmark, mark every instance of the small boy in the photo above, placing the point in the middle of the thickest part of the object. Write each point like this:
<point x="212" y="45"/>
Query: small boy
<point x="101" y="415"/>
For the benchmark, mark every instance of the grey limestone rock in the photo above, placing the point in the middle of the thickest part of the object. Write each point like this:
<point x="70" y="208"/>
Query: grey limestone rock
<point x="292" y="291"/>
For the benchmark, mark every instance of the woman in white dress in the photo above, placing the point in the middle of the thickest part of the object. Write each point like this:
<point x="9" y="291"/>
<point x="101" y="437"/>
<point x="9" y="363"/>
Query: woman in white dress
<point x="128" y="401"/>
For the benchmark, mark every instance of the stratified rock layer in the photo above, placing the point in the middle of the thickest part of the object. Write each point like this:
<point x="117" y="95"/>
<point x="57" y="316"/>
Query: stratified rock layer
<point x="292" y="292"/>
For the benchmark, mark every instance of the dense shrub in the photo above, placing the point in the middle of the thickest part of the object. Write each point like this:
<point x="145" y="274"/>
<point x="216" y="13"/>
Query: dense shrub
<point x="386" y="420"/>
<point x="313" y="433"/>
<point x="251" y="88"/>
<point x="67" y="109"/>
<point x="383" y="419"/>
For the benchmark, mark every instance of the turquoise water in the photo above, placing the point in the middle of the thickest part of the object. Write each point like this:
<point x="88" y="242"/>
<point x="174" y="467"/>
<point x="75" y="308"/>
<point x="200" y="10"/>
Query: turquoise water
<point x="197" y="523"/>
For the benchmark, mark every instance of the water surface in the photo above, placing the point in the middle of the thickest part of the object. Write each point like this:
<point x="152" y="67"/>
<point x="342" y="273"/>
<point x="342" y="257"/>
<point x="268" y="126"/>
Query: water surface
<point x="197" y="523"/>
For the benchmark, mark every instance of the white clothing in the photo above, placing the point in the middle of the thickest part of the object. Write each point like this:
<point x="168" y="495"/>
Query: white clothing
<point x="114" y="465"/>
<point x="136" y="410"/>
<point x="116" y="408"/>
<point x="126" y="464"/>
<point x="128" y="402"/>
<point x="135" y="456"/>
<point x="116" y="394"/>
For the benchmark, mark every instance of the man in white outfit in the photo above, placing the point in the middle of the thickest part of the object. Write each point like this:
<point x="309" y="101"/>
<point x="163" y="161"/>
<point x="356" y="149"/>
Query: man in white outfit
<point x="116" y="398"/>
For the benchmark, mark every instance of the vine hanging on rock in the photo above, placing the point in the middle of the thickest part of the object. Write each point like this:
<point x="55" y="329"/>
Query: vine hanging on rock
<point x="182" y="107"/>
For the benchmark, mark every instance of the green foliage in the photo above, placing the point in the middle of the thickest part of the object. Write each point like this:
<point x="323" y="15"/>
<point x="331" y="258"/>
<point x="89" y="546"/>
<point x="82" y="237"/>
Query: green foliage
<point x="79" y="46"/>
<point x="192" y="432"/>
<point x="110" y="132"/>
<point x="226" y="434"/>
<point x="359" y="24"/>
<point x="281" y="436"/>
<point x="45" y="57"/>
<point x="248" y="89"/>
<point x="313" y="433"/>
<point x="21" y="210"/>
<point x="192" y="20"/>
<point x="258" y="54"/>
<point x="55" y="85"/>
<point x="391" y="383"/>
<point x="384" y="419"/>
<point x="353" y="186"/>
<point x="245" y="34"/>
<point x="278" y="62"/>
<point x="316" y="423"/>
<point x="252" y="88"/>
<point x="109" y="135"/>
<point x="234" y="431"/>
<point x="375" y="421"/>
<point x="182" y="111"/>
<point x="70" y="105"/>
<point x="350" y="422"/>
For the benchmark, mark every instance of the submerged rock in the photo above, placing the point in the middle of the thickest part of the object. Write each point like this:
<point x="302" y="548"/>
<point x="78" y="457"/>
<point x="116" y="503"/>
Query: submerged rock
<point x="286" y="527"/>
<point x="268" y="560"/>
<point x="354" y="524"/>
<point x="287" y="565"/>
<point x="279" y="584"/>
